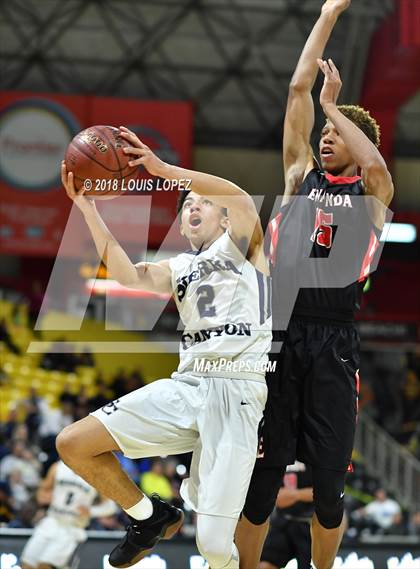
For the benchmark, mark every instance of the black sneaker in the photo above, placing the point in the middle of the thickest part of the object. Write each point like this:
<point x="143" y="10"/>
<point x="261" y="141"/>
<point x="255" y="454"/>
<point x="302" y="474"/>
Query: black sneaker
<point x="143" y="535"/>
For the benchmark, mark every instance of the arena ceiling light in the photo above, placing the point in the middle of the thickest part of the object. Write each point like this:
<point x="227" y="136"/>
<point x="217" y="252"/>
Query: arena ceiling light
<point x="399" y="233"/>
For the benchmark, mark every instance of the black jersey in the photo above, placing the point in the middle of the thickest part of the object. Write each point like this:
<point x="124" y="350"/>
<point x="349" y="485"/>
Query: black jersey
<point x="307" y="228"/>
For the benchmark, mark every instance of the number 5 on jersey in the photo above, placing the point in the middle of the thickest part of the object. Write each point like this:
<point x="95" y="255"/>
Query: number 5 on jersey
<point x="323" y="232"/>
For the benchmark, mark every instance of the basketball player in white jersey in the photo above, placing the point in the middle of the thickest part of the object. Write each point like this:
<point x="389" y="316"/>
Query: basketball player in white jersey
<point x="212" y="405"/>
<point x="71" y="506"/>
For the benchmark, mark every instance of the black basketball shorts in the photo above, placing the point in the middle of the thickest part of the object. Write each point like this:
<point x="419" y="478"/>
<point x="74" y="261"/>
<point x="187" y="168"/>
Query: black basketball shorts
<point x="312" y="403"/>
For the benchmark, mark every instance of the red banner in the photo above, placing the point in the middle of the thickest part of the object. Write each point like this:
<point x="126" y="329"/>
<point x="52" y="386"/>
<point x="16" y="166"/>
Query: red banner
<point x="35" y="130"/>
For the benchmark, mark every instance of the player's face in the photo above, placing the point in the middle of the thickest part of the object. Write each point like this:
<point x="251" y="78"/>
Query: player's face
<point x="202" y="221"/>
<point x="335" y="157"/>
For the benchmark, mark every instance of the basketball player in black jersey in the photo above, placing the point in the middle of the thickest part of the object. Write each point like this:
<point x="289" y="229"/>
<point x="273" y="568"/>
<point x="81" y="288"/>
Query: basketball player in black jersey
<point x="312" y="403"/>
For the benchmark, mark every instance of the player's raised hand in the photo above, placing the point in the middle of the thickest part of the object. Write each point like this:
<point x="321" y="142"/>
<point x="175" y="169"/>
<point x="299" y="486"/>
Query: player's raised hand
<point x="142" y="155"/>
<point x="336" y="6"/>
<point x="86" y="205"/>
<point x="332" y="83"/>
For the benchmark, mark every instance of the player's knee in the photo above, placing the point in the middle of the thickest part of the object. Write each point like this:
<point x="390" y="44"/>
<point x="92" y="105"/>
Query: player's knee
<point x="329" y="504"/>
<point x="216" y="557"/>
<point x="262" y="494"/>
<point x="216" y="550"/>
<point x="70" y="443"/>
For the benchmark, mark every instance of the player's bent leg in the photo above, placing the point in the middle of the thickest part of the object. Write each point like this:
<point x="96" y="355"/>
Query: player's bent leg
<point x="215" y="541"/>
<point x="27" y="566"/>
<point x="266" y="565"/>
<point x="328" y="522"/>
<point x="87" y="448"/>
<point x="45" y="566"/>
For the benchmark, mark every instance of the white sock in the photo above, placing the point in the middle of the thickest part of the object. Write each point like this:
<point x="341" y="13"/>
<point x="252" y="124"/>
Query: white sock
<point x="142" y="510"/>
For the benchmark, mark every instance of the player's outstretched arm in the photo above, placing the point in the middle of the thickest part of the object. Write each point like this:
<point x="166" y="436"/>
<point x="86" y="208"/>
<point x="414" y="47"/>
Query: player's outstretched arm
<point x="376" y="177"/>
<point x="300" y="116"/>
<point x="244" y="221"/>
<point x="152" y="277"/>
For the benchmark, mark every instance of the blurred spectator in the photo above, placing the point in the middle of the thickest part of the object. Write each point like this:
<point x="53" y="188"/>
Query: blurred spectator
<point x="6" y="508"/>
<point x="9" y="426"/>
<point x="108" y="523"/>
<point x="22" y="460"/>
<point x="382" y="515"/>
<point x="123" y="384"/>
<point x="54" y="420"/>
<point x="81" y="408"/>
<point x="68" y="397"/>
<point x="135" y="381"/>
<point x="156" y="481"/>
<point x="118" y="385"/>
<point x="18" y="490"/>
<point x="20" y="433"/>
<point x="85" y="359"/>
<point x="33" y="413"/>
<point x="414" y="524"/>
<point x="410" y="401"/>
<point x="6" y="338"/>
<point x="27" y="516"/>
<point x="101" y="398"/>
<point x="56" y="360"/>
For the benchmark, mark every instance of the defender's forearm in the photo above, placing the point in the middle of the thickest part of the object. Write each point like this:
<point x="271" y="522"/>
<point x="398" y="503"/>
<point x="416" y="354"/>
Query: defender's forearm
<point x="307" y="67"/>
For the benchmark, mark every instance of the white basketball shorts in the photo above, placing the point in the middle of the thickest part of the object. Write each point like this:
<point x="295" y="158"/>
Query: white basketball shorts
<point x="216" y="418"/>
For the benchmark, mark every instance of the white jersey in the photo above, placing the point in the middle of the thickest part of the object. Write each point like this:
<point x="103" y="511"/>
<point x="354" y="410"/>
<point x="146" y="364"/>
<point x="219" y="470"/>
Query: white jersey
<point x="225" y="306"/>
<point x="70" y="492"/>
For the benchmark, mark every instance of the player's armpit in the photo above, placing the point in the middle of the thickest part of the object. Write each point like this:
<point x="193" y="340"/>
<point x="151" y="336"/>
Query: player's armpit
<point x="377" y="182"/>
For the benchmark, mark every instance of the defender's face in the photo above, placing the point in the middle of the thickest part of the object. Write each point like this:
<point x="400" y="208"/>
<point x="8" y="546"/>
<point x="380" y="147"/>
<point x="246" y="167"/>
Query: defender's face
<point x="202" y="221"/>
<point x="335" y="157"/>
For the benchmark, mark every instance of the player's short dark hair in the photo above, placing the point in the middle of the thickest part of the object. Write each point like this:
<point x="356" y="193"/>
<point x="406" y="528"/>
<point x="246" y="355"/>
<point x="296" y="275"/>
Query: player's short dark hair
<point x="362" y="119"/>
<point x="183" y="196"/>
<point x="181" y="199"/>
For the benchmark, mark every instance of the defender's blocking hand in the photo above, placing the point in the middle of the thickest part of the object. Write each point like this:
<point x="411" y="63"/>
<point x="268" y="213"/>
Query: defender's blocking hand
<point x="336" y="6"/>
<point x="332" y="83"/>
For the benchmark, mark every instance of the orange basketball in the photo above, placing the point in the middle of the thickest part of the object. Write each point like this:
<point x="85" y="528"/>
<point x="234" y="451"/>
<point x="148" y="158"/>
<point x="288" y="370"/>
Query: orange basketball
<point x="99" y="165"/>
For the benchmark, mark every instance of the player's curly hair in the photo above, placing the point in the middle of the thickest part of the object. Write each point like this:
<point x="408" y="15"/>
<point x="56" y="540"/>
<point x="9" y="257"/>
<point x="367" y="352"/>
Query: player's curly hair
<point x="362" y="118"/>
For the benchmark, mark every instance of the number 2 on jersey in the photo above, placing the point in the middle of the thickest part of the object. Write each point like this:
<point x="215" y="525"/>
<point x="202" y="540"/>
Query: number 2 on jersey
<point x="205" y="306"/>
<point x="323" y="232"/>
